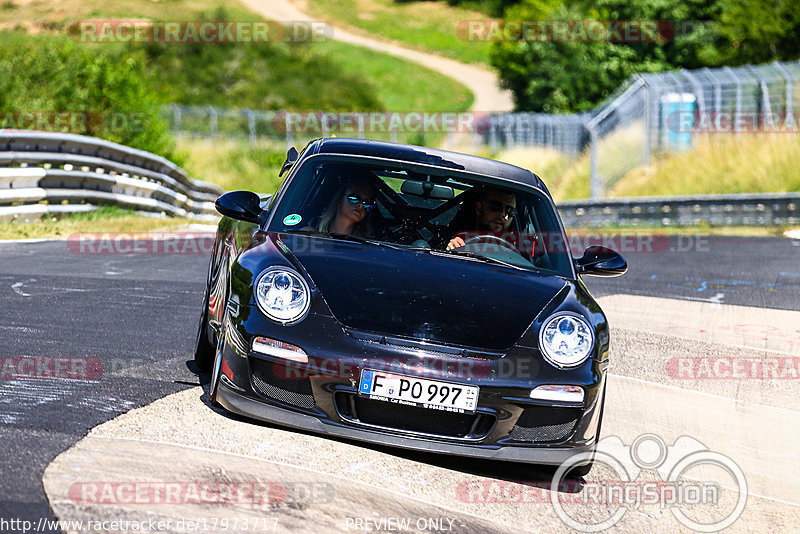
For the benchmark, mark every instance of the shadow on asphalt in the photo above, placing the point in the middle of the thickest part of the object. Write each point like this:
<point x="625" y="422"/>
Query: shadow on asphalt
<point x="520" y="473"/>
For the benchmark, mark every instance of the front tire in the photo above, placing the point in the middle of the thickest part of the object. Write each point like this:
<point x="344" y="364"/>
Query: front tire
<point x="216" y="372"/>
<point x="203" y="350"/>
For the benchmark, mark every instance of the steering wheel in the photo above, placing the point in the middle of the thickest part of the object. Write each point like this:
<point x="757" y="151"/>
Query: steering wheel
<point x="489" y="238"/>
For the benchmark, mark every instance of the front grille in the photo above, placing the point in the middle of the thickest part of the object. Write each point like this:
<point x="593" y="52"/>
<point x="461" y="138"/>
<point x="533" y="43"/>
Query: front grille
<point x="413" y="419"/>
<point x="542" y="424"/>
<point x="271" y="380"/>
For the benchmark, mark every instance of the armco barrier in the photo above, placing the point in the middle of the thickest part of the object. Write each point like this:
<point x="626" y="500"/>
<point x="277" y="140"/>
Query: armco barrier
<point x="748" y="209"/>
<point x="74" y="173"/>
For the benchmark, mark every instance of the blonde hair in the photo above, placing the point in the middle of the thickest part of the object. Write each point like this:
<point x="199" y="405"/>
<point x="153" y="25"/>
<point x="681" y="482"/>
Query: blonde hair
<point x="362" y="228"/>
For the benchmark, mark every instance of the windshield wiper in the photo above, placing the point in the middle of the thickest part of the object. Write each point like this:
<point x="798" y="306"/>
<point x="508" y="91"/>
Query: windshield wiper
<point x="344" y="237"/>
<point x="359" y="239"/>
<point x="307" y="231"/>
<point x="481" y="257"/>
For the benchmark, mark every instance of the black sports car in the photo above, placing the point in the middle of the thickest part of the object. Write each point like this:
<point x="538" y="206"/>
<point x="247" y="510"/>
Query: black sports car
<point x="411" y="297"/>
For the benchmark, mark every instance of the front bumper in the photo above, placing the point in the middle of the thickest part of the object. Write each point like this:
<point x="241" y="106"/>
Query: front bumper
<point x="322" y="396"/>
<point x="246" y="406"/>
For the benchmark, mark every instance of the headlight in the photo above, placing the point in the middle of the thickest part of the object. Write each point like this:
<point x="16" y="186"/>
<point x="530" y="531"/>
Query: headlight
<point x="282" y="295"/>
<point x="566" y="340"/>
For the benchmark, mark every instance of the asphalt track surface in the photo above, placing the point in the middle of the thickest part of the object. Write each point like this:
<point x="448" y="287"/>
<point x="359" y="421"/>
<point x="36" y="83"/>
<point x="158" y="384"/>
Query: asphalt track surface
<point x="133" y="317"/>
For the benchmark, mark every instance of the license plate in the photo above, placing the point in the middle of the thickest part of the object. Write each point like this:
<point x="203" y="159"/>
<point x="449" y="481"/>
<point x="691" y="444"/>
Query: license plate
<point x="421" y="392"/>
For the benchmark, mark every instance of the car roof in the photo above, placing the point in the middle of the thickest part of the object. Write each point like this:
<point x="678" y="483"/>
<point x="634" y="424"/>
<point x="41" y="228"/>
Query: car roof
<point x="427" y="156"/>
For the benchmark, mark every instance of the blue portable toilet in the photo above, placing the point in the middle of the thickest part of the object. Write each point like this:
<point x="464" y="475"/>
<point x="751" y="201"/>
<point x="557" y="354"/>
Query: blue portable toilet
<point x="677" y="124"/>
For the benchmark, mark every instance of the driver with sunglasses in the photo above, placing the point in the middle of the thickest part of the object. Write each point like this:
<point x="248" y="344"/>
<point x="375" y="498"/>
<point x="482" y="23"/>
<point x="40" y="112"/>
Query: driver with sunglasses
<point x="493" y="212"/>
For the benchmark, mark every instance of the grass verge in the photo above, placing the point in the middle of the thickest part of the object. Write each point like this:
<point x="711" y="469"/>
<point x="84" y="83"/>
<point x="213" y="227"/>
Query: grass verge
<point x="401" y="85"/>
<point x="309" y="76"/>
<point x="760" y="163"/>
<point x="429" y="26"/>
<point x="233" y="164"/>
<point x="108" y="219"/>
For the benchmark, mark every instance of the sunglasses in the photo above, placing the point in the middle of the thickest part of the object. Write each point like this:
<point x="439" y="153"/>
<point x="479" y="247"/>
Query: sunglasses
<point x="496" y="205"/>
<point x="356" y="199"/>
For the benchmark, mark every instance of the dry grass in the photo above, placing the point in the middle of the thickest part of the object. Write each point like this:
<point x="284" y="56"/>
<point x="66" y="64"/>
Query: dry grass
<point x="47" y="16"/>
<point x="429" y="26"/>
<point x="722" y="164"/>
<point x="765" y="163"/>
<point x="107" y="220"/>
<point x="233" y="164"/>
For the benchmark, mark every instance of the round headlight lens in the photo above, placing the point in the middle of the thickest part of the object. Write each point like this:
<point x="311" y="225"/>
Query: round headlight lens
<point x="282" y="295"/>
<point x="566" y="340"/>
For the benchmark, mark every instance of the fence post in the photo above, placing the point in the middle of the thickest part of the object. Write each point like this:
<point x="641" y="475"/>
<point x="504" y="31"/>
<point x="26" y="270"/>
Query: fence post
<point x="717" y="89"/>
<point x="323" y="123"/>
<point x="789" y="95"/>
<point x="176" y="117"/>
<point x="648" y="120"/>
<point x="493" y="133"/>
<point x="766" y="107"/>
<point x="289" y="133"/>
<point x="251" y="126"/>
<point x="738" y="82"/>
<point x="595" y="178"/>
<point x="212" y="121"/>
<point x="698" y="87"/>
<point x="361" y="128"/>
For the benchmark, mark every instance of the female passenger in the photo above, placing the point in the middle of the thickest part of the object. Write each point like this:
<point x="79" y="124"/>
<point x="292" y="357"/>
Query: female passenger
<point x="348" y="212"/>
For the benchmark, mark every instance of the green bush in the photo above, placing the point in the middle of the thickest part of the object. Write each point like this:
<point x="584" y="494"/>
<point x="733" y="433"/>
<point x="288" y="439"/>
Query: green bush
<point x="52" y="83"/>
<point x="256" y="75"/>
<point x="567" y="76"/>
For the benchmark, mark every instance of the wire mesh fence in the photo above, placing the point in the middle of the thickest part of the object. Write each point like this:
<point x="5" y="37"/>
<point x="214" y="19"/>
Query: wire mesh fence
<point x="648" y="113"/>
<point x="664" y="112"/>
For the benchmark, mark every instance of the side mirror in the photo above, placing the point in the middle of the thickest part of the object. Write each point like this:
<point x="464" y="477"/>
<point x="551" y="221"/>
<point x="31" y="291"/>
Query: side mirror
<point x="291" y="159"/>
<point x="601" y="261"/>
<point x="240" y="205"/>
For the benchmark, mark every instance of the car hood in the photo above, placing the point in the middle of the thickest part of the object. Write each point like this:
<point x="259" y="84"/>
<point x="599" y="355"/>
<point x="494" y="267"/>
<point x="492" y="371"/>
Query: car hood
<point x="416" y="294"/>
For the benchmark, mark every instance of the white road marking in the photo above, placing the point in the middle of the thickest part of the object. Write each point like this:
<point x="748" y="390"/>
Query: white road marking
<point x="16" y="287"/>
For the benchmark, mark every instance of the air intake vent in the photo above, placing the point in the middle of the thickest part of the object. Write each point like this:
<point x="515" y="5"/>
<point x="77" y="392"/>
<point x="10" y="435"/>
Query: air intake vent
<point x="543" y="424"/>
<point x="270" y="381"/>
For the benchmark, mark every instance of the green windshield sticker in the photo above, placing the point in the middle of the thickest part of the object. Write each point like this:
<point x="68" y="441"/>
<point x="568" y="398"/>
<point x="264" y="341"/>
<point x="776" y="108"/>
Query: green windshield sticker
<point x="291" y="220"/>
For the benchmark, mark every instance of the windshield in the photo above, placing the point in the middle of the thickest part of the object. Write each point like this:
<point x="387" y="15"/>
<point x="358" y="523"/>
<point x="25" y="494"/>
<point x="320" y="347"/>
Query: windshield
<point x="439" y="211"/>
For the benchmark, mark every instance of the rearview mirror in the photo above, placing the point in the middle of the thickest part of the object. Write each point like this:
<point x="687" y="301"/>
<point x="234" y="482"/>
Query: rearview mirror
<point x="426" y="189"/>
<point x="601" y="261"/>
<point x="240" y="205"/>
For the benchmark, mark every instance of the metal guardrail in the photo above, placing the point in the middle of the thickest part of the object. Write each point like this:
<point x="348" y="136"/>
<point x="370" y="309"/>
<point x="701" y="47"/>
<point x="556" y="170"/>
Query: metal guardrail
<point x="715" y="210"/>
<point x="44" y="172"/>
